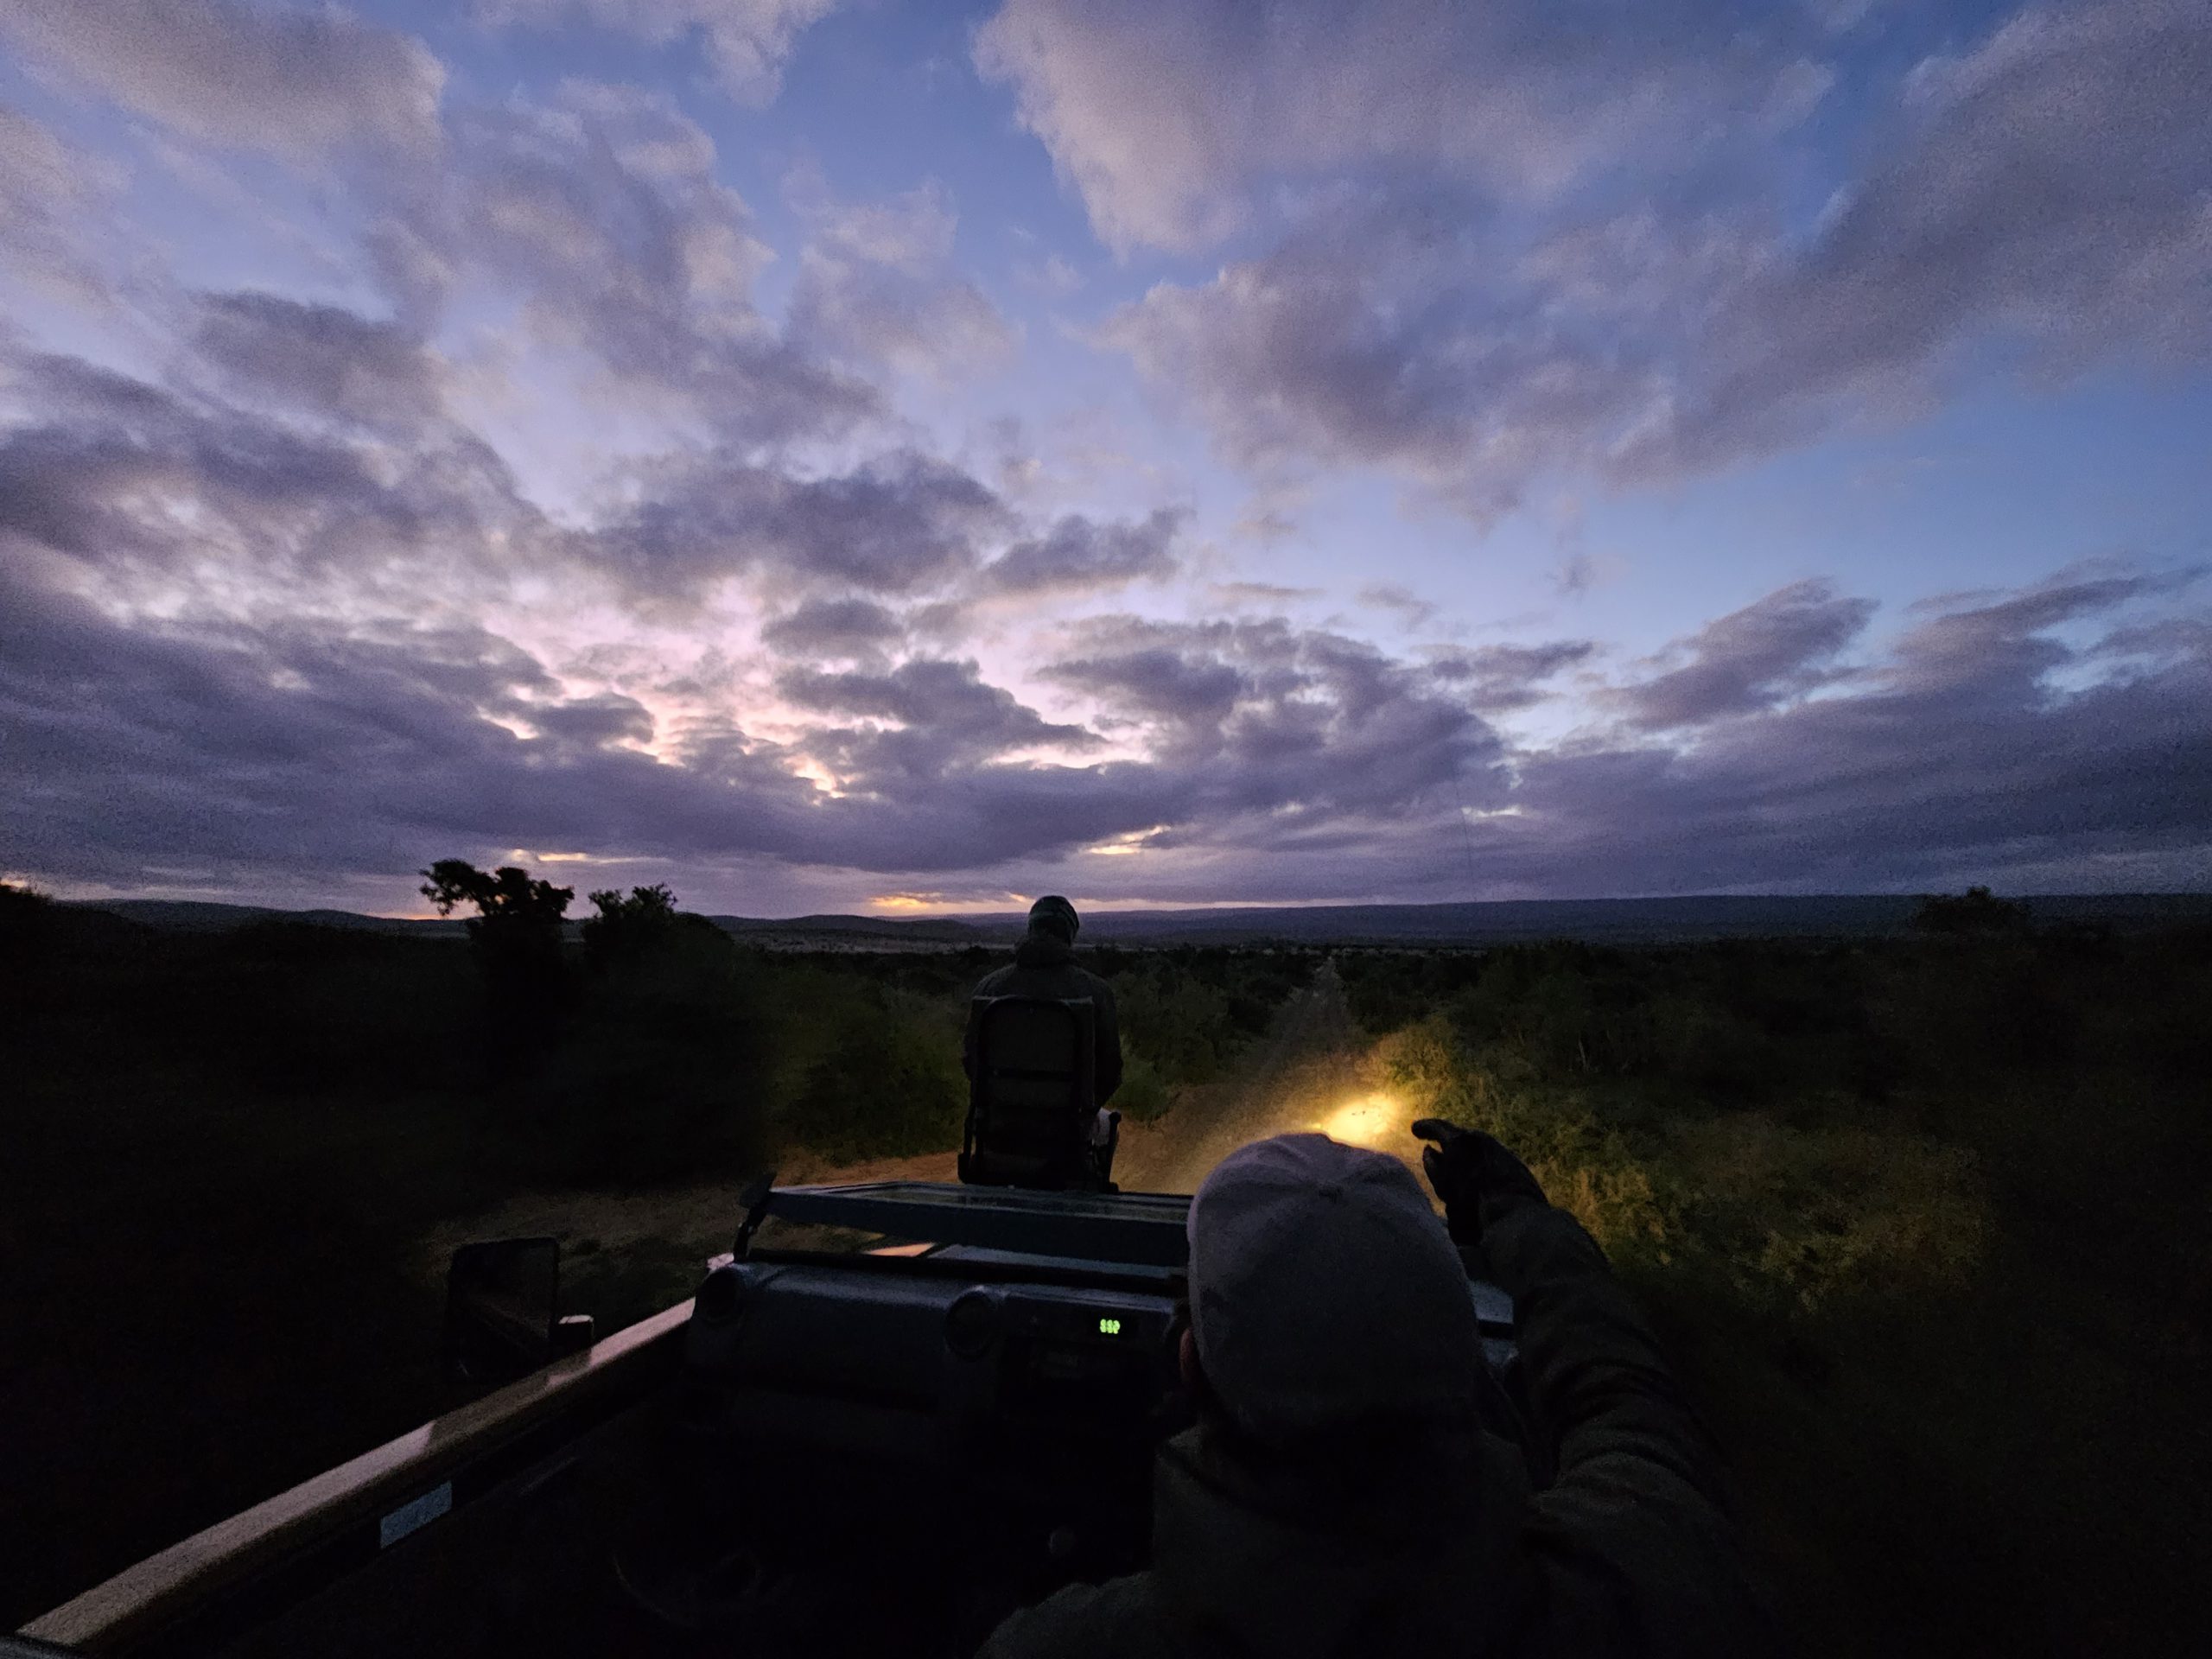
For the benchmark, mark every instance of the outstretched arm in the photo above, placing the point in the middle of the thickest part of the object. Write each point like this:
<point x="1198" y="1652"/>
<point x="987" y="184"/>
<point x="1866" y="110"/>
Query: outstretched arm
<point x="1603" y="1395"/>
<point x="1630" y="1534"/>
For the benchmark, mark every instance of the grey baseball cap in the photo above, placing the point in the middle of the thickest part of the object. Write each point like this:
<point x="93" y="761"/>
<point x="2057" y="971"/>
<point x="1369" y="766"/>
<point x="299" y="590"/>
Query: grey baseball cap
<point x="1324" y="1291"/>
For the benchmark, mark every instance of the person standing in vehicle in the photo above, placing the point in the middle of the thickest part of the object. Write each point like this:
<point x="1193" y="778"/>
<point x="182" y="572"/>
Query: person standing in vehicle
<point x="1044" y="965"/>
<point x="1340" y="1494"/>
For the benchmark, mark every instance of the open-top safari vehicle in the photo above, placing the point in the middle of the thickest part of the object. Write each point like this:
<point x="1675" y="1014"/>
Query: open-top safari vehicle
<point x="890" y="1414"/>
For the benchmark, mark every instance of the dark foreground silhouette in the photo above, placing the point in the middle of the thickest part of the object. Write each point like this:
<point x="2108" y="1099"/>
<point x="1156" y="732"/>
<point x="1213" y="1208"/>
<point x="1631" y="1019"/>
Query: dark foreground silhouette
<point x="1920" y="1222"/>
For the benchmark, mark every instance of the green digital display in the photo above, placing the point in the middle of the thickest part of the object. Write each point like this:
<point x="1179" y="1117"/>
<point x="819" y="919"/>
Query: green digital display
<point x="1110" y="1327"/>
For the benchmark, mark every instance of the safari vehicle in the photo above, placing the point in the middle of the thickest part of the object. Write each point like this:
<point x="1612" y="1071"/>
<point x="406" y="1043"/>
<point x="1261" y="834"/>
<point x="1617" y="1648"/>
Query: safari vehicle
<point x="890" y="1414"/>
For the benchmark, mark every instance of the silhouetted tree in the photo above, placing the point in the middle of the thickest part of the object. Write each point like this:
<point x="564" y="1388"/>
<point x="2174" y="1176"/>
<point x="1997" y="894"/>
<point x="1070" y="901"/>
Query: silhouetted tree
<point x="25" y="922"/>
<point x="505" y="898"/>
<point x="1975" y="911"/>
<point x="627" y="926"/>
<point x="516" y="935"/>
<point x="667" y="1066"/>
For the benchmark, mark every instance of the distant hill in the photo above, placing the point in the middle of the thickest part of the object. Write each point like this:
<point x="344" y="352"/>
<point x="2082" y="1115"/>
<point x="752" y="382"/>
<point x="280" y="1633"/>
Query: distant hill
<point x="933" y="929"/>
<point x="1616" y="921"/>
<point x="1596" y="921"/>
<point x="199" y="916"/>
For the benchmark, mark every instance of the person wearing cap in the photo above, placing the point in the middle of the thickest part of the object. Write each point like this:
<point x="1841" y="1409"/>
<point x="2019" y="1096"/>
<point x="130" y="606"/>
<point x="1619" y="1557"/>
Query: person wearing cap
<point x="1044" y="965"/>
<point x="1341" y="1493"/>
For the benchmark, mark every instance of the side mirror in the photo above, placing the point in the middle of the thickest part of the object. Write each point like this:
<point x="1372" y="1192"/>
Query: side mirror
<point x="503" y="1318"/>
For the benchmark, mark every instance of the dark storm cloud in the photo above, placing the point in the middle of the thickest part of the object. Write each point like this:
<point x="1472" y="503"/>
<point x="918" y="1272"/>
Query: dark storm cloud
<point x="897" y="523"/>
<point x="948" y="718"/>
<point x="322" y="357"/>
<point x="293" y="82"/>
<point x="2042" y="192"/>
<point x="1962" y="758"/>
<point x="833" y="627"/>
<point x="1264" y="717"/>
<point x="1780" y="647"/>
<point x="1079" y="555"/>
<point x="116" y="473"/>
<point x="2053" y="729"/>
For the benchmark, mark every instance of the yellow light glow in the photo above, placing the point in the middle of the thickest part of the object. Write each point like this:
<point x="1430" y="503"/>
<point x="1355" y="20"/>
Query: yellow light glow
<point x="1376" y="1122"/>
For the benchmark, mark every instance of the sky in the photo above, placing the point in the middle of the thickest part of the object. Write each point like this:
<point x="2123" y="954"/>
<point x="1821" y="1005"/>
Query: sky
<point x="846" y="454"/>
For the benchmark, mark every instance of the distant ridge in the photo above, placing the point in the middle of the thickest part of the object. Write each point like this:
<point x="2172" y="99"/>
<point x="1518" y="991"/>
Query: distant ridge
<point x="1616" y="921"/>
<point x="1596" y="921"/>
<point x="204" y="915"/>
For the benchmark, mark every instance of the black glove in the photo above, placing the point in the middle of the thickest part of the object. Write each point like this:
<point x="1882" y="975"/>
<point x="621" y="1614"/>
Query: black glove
<point x="1475" y="1174"/>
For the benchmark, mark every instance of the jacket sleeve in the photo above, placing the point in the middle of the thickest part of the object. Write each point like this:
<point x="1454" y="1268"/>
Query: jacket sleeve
<point x="1106" y="1036"/>
<point x="1631" y="1534"/>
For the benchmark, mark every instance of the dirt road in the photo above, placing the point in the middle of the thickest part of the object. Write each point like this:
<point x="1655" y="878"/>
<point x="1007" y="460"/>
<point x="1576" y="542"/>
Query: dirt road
<point x="1310" y="1071"/>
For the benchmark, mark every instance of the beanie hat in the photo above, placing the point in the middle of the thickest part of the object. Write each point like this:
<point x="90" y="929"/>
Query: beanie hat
<point x="1055" y="915"/>
<point x="1325" y="1292"/>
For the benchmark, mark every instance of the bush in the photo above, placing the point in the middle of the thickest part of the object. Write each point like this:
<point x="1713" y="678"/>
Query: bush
<point x="666" y="1070"/>
<point x="889" y="1083"/>
<point x="1143" y="1095"/>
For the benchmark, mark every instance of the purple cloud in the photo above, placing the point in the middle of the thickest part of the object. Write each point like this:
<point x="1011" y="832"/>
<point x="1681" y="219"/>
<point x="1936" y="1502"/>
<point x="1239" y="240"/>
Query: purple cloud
<point x="294" y="83"/>
<point x="1751" y="659"/>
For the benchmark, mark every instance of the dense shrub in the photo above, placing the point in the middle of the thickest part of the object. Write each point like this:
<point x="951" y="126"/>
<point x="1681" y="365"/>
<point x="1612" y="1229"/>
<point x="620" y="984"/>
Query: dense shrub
<point x="887" y="1081"/>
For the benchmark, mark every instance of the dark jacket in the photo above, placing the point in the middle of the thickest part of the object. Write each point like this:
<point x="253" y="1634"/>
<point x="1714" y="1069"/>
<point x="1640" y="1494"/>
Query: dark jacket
<point x="1626" y="1552"/>
<point x="1044" y="965"/>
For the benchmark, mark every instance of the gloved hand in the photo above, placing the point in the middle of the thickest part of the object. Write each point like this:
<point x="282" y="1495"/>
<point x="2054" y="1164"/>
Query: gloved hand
<point x="1476" y="1175"/>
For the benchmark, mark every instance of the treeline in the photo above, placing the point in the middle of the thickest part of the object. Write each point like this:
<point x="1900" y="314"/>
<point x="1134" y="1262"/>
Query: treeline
<point x="655" y="1047"/>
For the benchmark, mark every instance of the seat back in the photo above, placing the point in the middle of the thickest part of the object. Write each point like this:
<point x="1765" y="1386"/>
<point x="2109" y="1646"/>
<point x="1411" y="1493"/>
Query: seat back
<point x="1033" y="1093"/>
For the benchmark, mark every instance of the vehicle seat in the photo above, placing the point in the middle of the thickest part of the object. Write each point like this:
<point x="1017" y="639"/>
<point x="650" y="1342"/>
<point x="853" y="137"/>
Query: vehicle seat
<point x="1032" y="1099"/>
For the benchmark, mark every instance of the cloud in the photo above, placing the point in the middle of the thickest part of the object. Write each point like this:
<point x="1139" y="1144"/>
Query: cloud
<point x="1078" y="555"/>
<point x="52" y="195"/>
<point x="875" y="286"/>
<point x="298" y="84"/>
<point x="900" y="522"/>
<point x="139" y="481"/>
<point x="2038" y="201"/>
<point x="947" y="718"/>
<point x="1499" y="679"/>
<point x="1962" y="758"/>
<point x="1167" y="118"/>
<point x="602" y="212"/>
<point x="323" y="358"/>
<point x="2048" y="192"/>
<point x="1780" y="647"/>
<point x="1265" y="761"/>
<point x="745" y="41"/>
<point x="1262" y="717"/>
<point x="1412" y="610"/>
<point x="1391" y="331"/>
<point x="846" y="628"/>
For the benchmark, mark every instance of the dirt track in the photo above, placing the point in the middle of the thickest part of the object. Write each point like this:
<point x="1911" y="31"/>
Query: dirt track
<point x="1308" y="1072"/>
